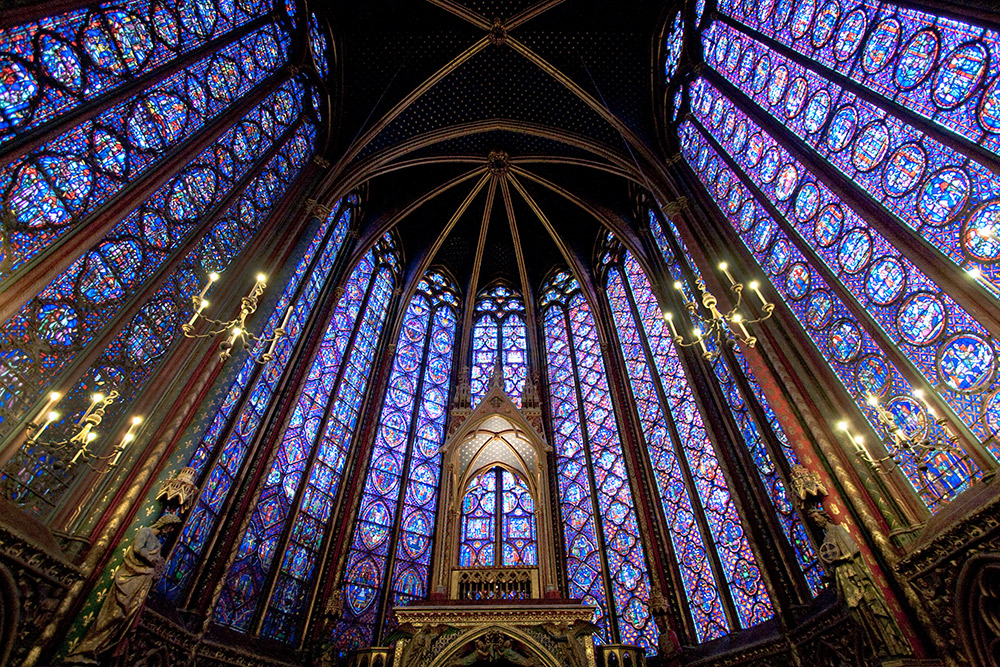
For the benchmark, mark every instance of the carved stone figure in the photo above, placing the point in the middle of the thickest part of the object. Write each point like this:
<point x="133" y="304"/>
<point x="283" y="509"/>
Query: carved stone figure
<point x="132" y="581"/>
<point x="857" y="590"/>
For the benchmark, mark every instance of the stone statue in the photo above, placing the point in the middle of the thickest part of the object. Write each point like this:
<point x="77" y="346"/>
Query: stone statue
<point x="132" y="581"/>
<point x="857" y="590"/>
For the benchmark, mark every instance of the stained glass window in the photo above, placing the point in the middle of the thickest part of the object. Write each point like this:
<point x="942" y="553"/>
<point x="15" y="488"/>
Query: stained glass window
<point x="605" y="559"/>
<point x="707" y="532"/>
<point x="73" y="309"/>
<point x="499" y="328"/>
<point x="675" y="42"/>
<point x="133" y="356"/>
<point x="305" y="473"/>
<point x="226" y="452"/>
<point x="389" y="560"/>
<point x="919" y="323"/>
<point x="49" y="67"/>
<point x="498" y="521"/>
<point x="736" y="399"/>
<point x="54" y="188"/>
<point x="318" y="46"/>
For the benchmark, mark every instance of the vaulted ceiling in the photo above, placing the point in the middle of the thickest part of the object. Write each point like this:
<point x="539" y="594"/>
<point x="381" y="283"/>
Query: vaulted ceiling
<point x="426" y="90"/>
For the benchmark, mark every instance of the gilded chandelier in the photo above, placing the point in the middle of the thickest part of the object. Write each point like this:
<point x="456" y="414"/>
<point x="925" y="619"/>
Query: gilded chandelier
<point x="236" y="327"/>
<point x="83" y="433"/>
<point x="716" y="325"/>
<point x="921" y="446"/>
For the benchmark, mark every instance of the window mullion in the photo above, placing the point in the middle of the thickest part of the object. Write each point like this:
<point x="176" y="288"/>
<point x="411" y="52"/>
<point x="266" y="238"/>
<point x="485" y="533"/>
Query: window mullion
<point x="715" y="563"/>
<point x="609" y="597"/>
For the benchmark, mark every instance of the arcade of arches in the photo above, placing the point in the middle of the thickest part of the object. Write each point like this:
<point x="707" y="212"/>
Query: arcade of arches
<point x="499" y="332"/>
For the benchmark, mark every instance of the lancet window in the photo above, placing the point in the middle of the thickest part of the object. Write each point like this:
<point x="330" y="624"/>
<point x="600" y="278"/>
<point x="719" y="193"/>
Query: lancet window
<point x="499" y="330"/>
<point x="822" y="133"/>
<point x="605" y="557"/>
<point x="498" y="521"/>
<point x="738" y="398"/>
<point x="270" y="583"/>
<point x="722" y="580"/>
<point x="225" y="445"/>
<point x="389" y="559"/>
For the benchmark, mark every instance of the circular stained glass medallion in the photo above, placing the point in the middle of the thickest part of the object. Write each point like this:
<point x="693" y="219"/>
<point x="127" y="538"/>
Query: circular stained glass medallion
<point x="816" y="112"/>
<point x="917" y="59"/>
<point x="740" y="136"/>
<point x="776" y="86"/>
<point x="981" y="237"/>
<point x="796" y="97"/>
<point x="841" y="130"/>
<point x="921" y="318"/>
<point x="851" y="32"/>
<point x="871" y="147"/>
<point x="845" y="341"/>
<point x="755" y="149"/>
<point x="828" y="225"/>
<point x="769" y="165"/>
<point x="798" y="281"/>
<point x="820" y="309"/>
<point x="803" y="18"/>
<point x="762" y="234"/>
<point x="59" y="60"/>
<point x="881" y="46"/>
<point x="904" y="169"/>
<point x="760" y="75"/>
<point x="855" y="250"/>
<point x="873" y="375"/>
<point x="782" y="13"/>
<point x="17" y="89"/>
<point x="826" y="23"/>
<point x="807" y="202"/>
<point x="56" y="324"/>
<point x="886" y="280"/>
<point x="944" y="194"/>
<point x="966" y="362"/>
<point x="777" y="261"/>
<point x="786" y="181"/>
<point x="909" y="414"/>
<point x="960" y="74"/>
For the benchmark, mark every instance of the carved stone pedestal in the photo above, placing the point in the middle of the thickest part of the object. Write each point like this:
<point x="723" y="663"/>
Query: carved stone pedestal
<point x="547" y="633"/>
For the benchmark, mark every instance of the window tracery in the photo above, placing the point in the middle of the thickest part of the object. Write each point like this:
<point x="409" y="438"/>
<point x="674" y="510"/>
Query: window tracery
<point x="691" y="483"/>
<point x="499" y="330"/>
<point x="296" y="501"/>
<point x="605" y="556"/>
<point x="388" y="563"/>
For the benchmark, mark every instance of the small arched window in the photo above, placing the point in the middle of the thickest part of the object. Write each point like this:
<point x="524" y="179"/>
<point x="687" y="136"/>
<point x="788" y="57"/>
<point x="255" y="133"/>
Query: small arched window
<point x="498" y="521"/>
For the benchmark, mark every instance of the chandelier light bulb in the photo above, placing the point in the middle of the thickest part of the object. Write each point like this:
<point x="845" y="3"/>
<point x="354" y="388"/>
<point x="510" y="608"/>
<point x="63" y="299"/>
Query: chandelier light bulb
<point x="678" y="286"/>
<point x="723" y="266"/>
<point x="55" y="396"/>
<point x="737" y="318"/>
<point x="91" y="436"/>
<point x="98" y="397"/>
<point x="52" y="416"/>
<point x="918" y="393"/>
<point x="974" y="273"/>
<point x="842" y="425"/>
<point x="136" y="420"/>
<point x="213" y="276"/>
<point x="754" y="285"/>
<point x="261" y="277"/>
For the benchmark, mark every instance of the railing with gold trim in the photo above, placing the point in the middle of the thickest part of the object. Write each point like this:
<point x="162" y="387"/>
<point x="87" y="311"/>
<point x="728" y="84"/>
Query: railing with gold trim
<point x="499" y="583"/>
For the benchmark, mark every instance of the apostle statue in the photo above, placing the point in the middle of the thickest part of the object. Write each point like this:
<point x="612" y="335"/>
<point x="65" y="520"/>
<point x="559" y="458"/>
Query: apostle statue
<point x="856" y="588"/>
<point x="132" y="581"/>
